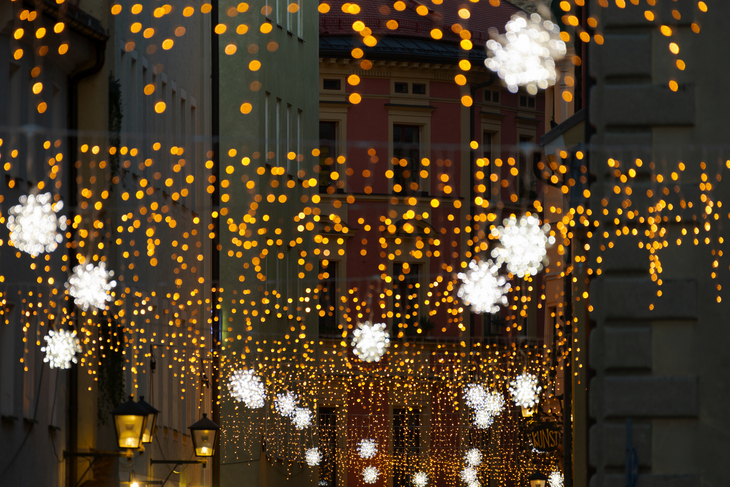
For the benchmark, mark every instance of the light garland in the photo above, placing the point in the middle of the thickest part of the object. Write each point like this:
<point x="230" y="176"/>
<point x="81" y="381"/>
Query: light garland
<point x="34" y="226"/>
<point x="525" y="391"/>
<point x="367" y="448"/>
<point x="483" y="419"/>
<point x="420" y="479"/>
<point x="370" y="475"/>
<point x="90" y="285"/>
<point x="473" y="457"/>
<point x="370" y="342"/>
<point x="482" y="288"/>
<point x="556" y="479"/>
<point x="302" y="418"/>
<point x="61" y="348"/>
<point x="525" y="55"/>
<point x="246" y="387"/>
<point x="313" y="456"/>
<point x="285" y="403"/>
<point x="523" y="246"/>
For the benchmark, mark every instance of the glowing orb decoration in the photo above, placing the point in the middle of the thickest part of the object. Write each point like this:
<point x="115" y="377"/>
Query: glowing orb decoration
<point x="370" y="475"/>
<point x="369" y="342"/>
<point x="525" y="55"/>
<point x="420" y="479"/>
<point x="474" y="483"/>
<point x="524" y="245"/>
<point x="367" y="448"/>
<point x="312" y="456"/>
<point x="246" y="387"/>
<point x="285" y="403"/>
<point x="469" y="475"/>
<point x="302" y="418"/>
<point x="483" y="419"/>
<point x="34" y="226"/>
<point x="61" y="348"/>
<point x="555" y="479"/>
<point x="493" y="403"/>
<point x="473" y="457"/>
<point x="525" y="391"/>
<point x="474" y="395"/>
<point x="482" y="288"/>
<point x="90" y="285"/>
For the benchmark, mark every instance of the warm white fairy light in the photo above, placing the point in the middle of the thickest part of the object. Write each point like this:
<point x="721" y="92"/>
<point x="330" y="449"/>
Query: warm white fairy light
<point x="474" y="395"/>
<point x="420" y="479"/>
<point x="90" y="285"/>
<point x="246" y="387"/>
<point x="525" y="55"/>
<point x="525" y="391"/>
<point x="482" y="287"/>
<point x="555" y="479"/>
<point x="473" y="457"/>
<point x="369" y="342"/>
<point x="302" y="418"/>
<point x="469" y="475"/>
<point x="312" y="456"/>
<point x="61" y="348"/>
<point x="34" y="226"/>
<point x="523" y="246"/>
<point x="483" y="419"/>
<point x="367" y="448"/>
<point x="285" y="403"/>
<point x="370" y="475"/>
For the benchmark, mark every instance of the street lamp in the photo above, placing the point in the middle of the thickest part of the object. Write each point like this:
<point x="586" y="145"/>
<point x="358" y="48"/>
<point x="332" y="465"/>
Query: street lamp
<point x="205" y="434"/>
<point x="537" y="479"/>
<point x="149" y="427"/>
<point x="129" y="421"/>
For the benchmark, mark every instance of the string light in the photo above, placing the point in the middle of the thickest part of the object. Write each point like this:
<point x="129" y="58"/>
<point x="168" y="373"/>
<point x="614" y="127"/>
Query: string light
<point x="61" y="348"/>
<point x="90" y="285"/>
<point x="483" y="288"/>
<point x="313" y="456"/>
<point x="523" y="246"/>
<point x="367" y="448"/>
<point x="525" y="391"/>
<point x="246" y="387"/>
<point x="370" y="475"/>
<point x="285" y="403"/>
<point x="370" y="342"/>
<point x="34" y="226"/>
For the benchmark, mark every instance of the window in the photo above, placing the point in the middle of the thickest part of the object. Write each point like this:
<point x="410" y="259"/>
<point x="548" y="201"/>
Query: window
<point x="328" y="446"/>
<point x="332" y="84"/>
<point x="419" y="89"/>
<point x="327" y="155"/>
<point x="328" y="297"/>
<point x="407" y="151"/>
<point x="406" y="441"/>
<point x="406" y="287"/>
<point x="401" y="87"/>
<point x="527" y="101"/>
<point x="491" y="96"/>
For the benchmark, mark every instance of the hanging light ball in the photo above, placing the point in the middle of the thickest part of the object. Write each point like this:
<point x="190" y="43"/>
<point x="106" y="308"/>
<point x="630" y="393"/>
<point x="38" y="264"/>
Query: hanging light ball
<point x="369" y="342"/>
<point x="474" y="483"/>
<point x="525" y="391"/>
<point x="246" y="387"/>
<point x="313" y="456"/>
<point x="285" y="403"/>
<point x="90" y="285"/>
<point x="302" y="418"/>
<point x="493" y="403"/>
<point x="482" y="288"/>
<point x="525" y="55"/>
<point x="473" y="457"/>
<point x="555" y="479"/>
<point x="469" y="475"/>
<point x="483" y="419"/>
<point x="475" y="395"/>
<point x="523" y="245"/>
<point x="34" y="226"/>
<point x="370" y="475"/>
<point x="420" y="479"/>
<point x="367" y="448"/>
<point x="61" y="348"/>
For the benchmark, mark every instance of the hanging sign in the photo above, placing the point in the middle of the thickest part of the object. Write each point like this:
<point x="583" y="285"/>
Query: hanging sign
<point x="545" y="436"/>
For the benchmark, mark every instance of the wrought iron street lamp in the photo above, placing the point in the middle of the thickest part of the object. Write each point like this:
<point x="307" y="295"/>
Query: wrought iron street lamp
<point x="537" y="479"/>
<point x="129" y="421"/>
<point x="149" y="427"/>
<point x="205" y="434"/>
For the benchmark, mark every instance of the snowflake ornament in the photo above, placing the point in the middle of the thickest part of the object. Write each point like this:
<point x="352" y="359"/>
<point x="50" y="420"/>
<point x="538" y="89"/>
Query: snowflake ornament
<point x="246" y="387"/>
<point x="369" y="342"/>
<point x="370" y="475"/>
<point x="420" y="479"/>
<point x="555" y="479"/>
<point x="474" y="483"/>
<point x="524" y="245"/>
<point x="34" y="226"/>
<point x="285" y="403"/>
<point x="475" y="395"/>
<point x="90" y="285"/>
<point x="312" y="456"/>
<point x="525" y="55"/>
<point x="473" y="457"/>
<point x="483" y="419"/>
<point x="367" y="448"/>
<point x="61" y="348"/>
<point x="469" y="475"/>
<point x="482" y="288"/>
<point x="525" y="391"/>
<point x="493" y="403"/>
<point x="302" y="418"/>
